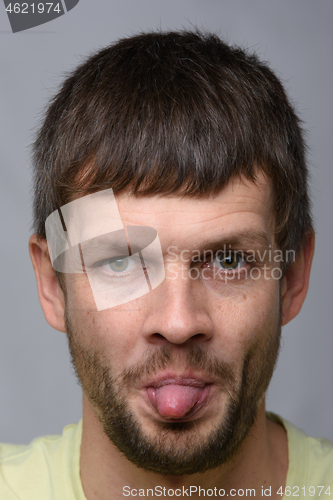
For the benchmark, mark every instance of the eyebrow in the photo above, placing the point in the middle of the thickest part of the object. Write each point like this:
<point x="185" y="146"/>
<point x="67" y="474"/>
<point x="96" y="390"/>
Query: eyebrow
<point x="100" y="249"/>
<point x="107" y="247"/>
<point x="246" y="239"/>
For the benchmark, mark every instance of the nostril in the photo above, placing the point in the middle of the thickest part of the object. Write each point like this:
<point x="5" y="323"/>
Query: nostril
<point x="158" y="337"/>
<point x="199" y="336"/>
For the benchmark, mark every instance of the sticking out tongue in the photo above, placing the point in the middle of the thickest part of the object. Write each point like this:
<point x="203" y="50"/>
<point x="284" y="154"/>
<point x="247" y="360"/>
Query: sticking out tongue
<point x="175" y="401"/>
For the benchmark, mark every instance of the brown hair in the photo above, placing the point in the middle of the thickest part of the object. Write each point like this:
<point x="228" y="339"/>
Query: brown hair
<point x="172" y="113"/>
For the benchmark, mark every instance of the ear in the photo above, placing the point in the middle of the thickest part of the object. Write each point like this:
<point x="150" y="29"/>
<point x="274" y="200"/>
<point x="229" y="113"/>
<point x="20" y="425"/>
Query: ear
<point x="51" y="296"/>
<point x="295" y="283"/>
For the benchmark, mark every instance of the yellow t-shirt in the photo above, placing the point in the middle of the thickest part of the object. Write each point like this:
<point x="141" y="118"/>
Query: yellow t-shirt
<point x="48" y="468"/>
<point x="310" y="465"/>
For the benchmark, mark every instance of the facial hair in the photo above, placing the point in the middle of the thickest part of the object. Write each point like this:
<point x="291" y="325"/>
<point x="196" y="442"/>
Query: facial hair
<point x="176" y="448"/>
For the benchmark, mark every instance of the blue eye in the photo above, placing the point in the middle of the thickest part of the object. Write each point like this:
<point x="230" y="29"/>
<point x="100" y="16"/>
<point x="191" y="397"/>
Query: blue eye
<point x="119" y="265"/>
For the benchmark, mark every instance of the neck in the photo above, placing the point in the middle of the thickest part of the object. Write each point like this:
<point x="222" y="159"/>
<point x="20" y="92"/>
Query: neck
<point x="261" y="461"/>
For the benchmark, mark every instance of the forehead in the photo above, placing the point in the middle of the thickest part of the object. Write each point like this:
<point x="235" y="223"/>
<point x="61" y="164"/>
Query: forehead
<point x="241" y="206"/>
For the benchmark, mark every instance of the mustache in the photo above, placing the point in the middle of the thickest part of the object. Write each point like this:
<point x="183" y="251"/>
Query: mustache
<point x="194" y="358"/>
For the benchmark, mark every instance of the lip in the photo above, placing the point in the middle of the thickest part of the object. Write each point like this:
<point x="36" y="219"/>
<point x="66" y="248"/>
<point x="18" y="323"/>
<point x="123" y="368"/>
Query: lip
<point x="189" y="379"/>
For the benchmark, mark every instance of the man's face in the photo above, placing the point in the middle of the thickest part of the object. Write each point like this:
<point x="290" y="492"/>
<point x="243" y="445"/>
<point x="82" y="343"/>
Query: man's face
<point x="176" y="376"/>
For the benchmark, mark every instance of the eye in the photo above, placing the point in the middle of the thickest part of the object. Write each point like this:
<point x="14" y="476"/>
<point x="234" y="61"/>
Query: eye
<point x="229" y="261"/>
<point x="119" y="265"/>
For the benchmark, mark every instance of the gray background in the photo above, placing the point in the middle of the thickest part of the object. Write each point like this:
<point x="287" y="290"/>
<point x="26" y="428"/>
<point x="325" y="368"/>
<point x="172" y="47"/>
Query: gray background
<point x="38" y="393"/>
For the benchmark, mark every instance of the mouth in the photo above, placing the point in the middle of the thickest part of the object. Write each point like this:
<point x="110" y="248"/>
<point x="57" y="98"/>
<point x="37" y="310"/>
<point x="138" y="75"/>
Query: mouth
<point x="177" y="398"/>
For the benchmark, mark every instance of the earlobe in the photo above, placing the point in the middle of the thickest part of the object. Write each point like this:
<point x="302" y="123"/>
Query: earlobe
<point x="295" y="283"/>
<point x="50" y="294"/>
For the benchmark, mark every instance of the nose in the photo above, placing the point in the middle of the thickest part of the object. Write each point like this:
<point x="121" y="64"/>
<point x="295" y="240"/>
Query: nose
<point x="177" y="313"/>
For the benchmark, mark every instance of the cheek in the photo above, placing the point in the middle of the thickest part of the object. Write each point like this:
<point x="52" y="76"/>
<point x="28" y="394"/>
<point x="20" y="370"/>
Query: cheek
<point x="247" y="318"/>
<point x="112" y="332"/>
<point x="79" y="297"/>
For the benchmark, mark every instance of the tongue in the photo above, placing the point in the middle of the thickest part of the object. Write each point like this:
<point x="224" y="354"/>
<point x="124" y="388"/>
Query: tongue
<point x="175" y="401"/>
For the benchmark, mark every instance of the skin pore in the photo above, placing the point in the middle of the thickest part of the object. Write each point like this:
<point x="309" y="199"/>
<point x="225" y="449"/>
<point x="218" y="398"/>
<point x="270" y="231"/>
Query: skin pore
<point x="224" y="334"/>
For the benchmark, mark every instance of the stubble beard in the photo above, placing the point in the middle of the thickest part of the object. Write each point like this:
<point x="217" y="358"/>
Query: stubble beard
<point x="176" y="448"/>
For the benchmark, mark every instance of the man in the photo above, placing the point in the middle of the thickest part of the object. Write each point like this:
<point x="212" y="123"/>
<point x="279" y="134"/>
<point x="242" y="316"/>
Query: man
<point x="173" y="240"/>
